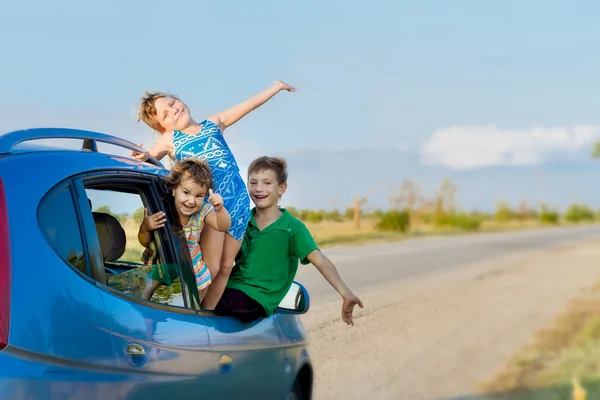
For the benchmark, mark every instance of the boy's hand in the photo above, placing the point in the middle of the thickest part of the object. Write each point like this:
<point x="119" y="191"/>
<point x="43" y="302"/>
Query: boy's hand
<point x="284" y="86"/>
<point x="152" y="222"/>
<point x="350" y="301"/>
<point x="215" y="199"/>
<point x="140" y="156"/>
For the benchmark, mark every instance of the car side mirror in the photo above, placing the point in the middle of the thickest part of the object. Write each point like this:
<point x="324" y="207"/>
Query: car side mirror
<point x="296" y="301"/>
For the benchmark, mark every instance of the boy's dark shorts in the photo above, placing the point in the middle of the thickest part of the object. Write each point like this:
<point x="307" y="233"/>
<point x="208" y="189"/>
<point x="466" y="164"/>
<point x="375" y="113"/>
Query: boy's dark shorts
<point x="235" y="303"/>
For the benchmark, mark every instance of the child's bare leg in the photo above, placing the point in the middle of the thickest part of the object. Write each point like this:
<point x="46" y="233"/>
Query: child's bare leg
<point x="211" y="242"/>
<point x="150" y="288"/>
<point x="219" y="282"/>
<point x="202" y="293"/>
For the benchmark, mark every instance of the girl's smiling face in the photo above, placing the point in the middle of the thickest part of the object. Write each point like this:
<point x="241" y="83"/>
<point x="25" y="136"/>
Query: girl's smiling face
<point x="189" y="197"/>
<point x="172" y="114"/>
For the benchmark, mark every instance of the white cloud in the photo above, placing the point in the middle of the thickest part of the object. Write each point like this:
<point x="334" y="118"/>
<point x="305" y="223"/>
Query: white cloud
<point x="473" y="146"/>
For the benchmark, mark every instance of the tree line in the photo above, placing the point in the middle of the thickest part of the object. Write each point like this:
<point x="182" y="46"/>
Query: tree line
<point x="410" y="209"/>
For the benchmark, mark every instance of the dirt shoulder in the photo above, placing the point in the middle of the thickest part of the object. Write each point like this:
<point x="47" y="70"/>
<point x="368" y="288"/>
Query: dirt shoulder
<point x="440" y="336"/>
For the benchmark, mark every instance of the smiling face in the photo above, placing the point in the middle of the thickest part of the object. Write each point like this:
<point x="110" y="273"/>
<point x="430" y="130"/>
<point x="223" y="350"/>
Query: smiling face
<point x="172" y="114"/>
<point x="189" y="197"/>
<point x="264" y="189"/>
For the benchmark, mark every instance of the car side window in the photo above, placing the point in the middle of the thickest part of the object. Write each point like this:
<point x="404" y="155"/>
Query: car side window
<point x="149" y="273"/>
<point x="59" y="224"/>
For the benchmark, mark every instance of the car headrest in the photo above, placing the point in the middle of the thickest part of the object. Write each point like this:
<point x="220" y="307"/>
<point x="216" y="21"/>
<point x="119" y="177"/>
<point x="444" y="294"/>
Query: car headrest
<point x="111" y="236"/>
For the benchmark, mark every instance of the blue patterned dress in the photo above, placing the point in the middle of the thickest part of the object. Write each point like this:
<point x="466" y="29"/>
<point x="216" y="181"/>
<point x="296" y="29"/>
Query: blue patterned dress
<point x="209" y="144"/>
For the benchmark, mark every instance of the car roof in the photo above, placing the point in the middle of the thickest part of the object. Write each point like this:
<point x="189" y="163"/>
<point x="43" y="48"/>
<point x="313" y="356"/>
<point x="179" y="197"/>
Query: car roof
<point x="74" y="144"/>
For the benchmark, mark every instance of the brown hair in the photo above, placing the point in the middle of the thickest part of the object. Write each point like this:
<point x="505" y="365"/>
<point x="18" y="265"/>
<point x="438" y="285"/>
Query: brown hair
<point x="195" y="168"/>
<point x="147" y="111"/>
<point x="275" y="164"/>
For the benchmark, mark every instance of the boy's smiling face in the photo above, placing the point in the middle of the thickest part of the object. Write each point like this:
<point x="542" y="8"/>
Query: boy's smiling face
<point x="264" y="189"/>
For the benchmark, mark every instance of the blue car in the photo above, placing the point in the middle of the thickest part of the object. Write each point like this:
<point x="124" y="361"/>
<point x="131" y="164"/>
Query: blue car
<point x="72" y="322"/>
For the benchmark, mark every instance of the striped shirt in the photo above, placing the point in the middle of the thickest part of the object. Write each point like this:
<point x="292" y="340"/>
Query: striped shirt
<point x="192" y="232"/>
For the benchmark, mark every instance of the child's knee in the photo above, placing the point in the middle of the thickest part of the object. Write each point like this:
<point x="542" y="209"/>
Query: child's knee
<point x="213" y="266"/>
<point x="226" y="266"/>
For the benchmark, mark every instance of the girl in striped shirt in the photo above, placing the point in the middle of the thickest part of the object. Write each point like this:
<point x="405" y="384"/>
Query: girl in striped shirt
<point x="190" y="181"/>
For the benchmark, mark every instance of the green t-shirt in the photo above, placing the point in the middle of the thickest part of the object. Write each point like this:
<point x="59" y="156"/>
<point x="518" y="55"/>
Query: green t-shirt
<point x="267" y="262"/>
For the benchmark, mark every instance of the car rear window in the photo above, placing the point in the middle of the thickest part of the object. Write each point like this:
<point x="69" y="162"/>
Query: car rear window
<point x="59" y="224"/>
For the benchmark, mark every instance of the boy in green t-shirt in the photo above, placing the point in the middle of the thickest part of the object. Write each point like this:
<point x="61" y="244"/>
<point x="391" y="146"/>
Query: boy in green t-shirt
<point x="273" y="244"/>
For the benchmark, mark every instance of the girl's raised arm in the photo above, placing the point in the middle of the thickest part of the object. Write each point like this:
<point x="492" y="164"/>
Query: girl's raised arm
<point x="232" y="115"/>
<point x="163" y="146"/>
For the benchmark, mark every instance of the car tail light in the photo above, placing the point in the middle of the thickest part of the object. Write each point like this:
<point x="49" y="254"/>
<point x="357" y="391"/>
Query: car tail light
<point x="4" y="270"/>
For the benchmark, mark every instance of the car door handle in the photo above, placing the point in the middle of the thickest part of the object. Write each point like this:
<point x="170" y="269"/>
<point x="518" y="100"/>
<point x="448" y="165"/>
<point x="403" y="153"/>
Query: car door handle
<point x="135" y="354"/>
<point x="134" y="349"/>
<point x="225" y="364"/>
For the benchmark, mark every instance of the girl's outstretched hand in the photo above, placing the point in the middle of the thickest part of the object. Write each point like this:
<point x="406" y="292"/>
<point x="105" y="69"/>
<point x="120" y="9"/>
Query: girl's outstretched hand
<point x="284" y="86"/>
<point x="140" y="156"/>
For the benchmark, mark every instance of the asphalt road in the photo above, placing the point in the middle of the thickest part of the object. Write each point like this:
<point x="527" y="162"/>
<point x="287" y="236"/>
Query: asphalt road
<point x="441" y="314"/>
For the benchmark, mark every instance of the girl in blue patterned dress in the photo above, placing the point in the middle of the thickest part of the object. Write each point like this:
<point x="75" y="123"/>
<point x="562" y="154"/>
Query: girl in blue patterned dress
<point x="183" y="137"/>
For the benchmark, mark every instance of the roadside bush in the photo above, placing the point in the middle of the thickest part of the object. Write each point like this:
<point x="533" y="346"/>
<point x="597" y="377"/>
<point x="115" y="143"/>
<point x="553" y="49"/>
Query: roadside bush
<point x="138" y="215"/>
<point x="460" y="220"/>
<point x="334" y="216"/>
<point x="314" y="216"/>
<point x="394" y="220"/>
<point x="349" y="213"/>
<point x="579" y="213"/>
<point x="504" y="213"/>
<point x="302" y="214"/>
<point x="549" y="217"/>
<point x="293" y="211"/>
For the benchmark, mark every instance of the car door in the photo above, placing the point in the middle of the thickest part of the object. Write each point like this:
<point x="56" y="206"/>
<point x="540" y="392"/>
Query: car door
<point x="254" y="351"/>
<point x="161" y="346"/>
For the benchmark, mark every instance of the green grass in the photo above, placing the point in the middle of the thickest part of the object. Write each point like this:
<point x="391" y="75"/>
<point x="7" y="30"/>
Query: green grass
<point x="569" y="349"/>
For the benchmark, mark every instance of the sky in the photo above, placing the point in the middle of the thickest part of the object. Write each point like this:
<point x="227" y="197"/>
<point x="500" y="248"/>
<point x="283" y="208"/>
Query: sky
<point x="500" y="97"/>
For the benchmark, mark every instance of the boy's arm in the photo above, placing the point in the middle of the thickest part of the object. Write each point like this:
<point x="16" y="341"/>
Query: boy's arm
<point x="329" y="272"/>
<point x="229" y="117"/>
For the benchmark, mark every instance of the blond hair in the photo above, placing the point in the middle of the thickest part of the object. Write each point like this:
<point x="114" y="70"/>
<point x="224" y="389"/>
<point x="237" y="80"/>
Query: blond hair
<point x="147" y="111"/>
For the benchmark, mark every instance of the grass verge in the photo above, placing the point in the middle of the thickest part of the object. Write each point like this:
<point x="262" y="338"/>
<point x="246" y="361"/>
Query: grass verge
<point x="560" y="359"/>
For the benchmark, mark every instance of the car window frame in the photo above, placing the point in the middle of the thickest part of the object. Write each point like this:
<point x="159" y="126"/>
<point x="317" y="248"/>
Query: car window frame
<point x="172" y="247"/>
